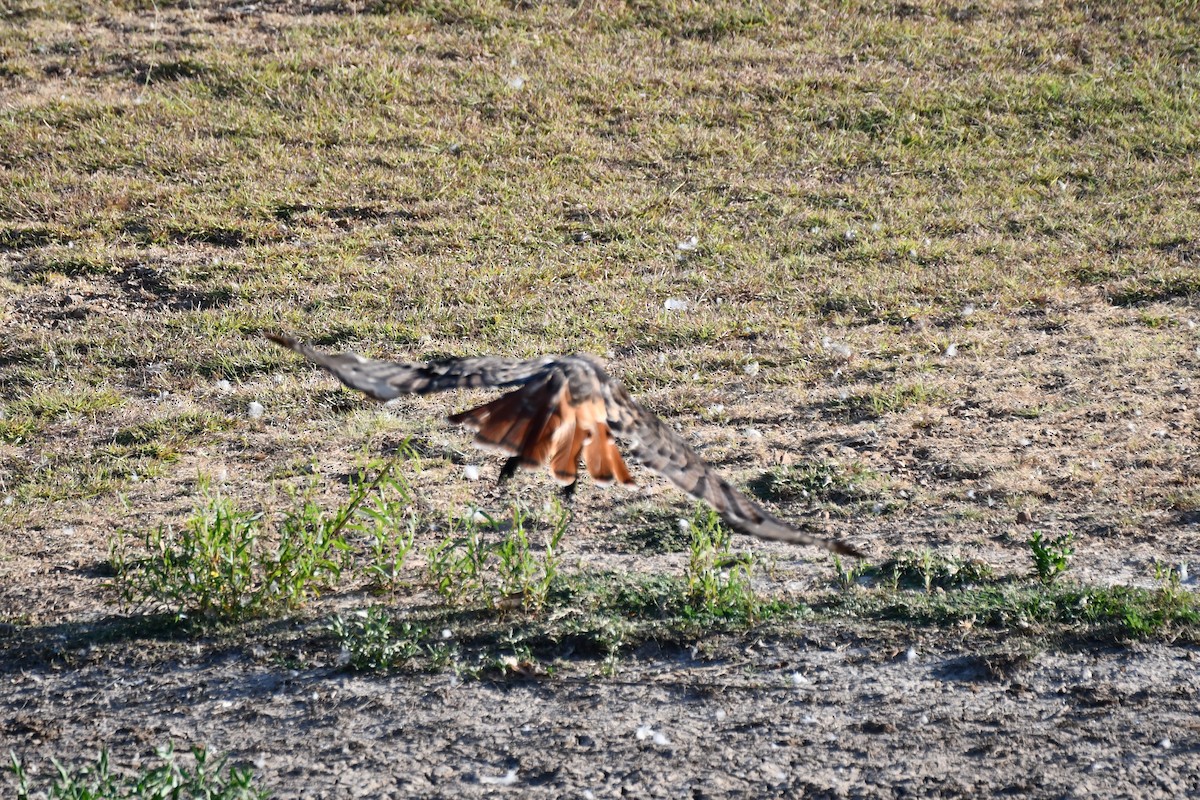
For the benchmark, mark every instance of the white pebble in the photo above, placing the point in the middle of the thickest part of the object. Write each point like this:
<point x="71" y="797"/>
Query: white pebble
<point x="661" y="739"/>
<point x="716" y="408"/>
<point x="951" y="350"/>
<point x="1085" y="674"/>
<point x="753" y="434"/>
<point x="798" y="679"/>
<point x="471" y="472"/>
<point x="910" y="655"/>
<point x="447" y="633"/>
<point x="968" y="309"/>
<point x="683" y="524"/>
<point x="255" y="409"/>
<point x="675" y="304"/>
<point x="1165" y="743"/>
<point x="838" y="349"/>
<point x="1183" y="572"/>
<point x="8" y="499"/>
<point x="720" y="715"/>
<point x="850" y="235"/>
<point x="688" y="244"/>
<point x="516" y="82"/>
<point x="507" y="779"/>
<point x="224" y="386"/>
<point x="751" y="369"/>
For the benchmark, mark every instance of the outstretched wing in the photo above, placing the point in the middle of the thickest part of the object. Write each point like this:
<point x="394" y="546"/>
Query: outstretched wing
<point x="565" y="409"/>
<point x="653" y="444"/>
<point x="387" y="380"/>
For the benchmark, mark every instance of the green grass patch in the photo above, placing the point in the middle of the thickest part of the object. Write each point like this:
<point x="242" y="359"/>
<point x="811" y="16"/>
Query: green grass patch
<point x="228" y="563"/>
<point x="56" y="403"/>
<point x="1036" y="609"/>
<point x="197" y="776"/>
<point x="880" y="401"/>
<point x="174" y="429"/>
<point x="501" y="619"/>
<point x="818" y="480"/>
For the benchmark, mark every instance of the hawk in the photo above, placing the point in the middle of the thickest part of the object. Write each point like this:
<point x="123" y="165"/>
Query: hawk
<point x="563" y="409"/>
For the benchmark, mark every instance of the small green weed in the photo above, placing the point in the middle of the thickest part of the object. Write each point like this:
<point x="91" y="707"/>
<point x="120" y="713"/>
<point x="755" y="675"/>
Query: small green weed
<point x="221" y="565"/>
<point x="1051" y="557"/>
<point x="456" y="565"/>
<point x="459" y="566"/>
<point x="880" y="401"/>
<point x="371" y="641"/>
<point x="816" y="480"/>
<point x="927" y="570"/>
<point x="848" y="573"/>
<point x="388" y="525"/>
<point x="168" y="781"/>
<point x="718" y="580"/>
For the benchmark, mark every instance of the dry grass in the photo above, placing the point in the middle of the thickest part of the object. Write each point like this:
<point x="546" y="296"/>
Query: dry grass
<point x="958" y="242"/>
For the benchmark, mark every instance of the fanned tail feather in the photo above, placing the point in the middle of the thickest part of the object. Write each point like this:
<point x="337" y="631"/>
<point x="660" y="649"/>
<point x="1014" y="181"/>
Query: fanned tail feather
<point x="539" y="425"/>
<point x="603" y="460"/>
<point x="600" y="453"/>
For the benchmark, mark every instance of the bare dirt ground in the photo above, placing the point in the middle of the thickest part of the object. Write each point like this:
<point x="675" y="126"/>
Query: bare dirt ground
<point x="839" y="717"/>
<point x="945" y="255"/>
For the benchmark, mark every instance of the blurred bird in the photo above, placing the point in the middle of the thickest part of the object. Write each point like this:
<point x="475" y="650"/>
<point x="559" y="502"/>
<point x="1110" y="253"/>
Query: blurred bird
<point x="562" y="410"/>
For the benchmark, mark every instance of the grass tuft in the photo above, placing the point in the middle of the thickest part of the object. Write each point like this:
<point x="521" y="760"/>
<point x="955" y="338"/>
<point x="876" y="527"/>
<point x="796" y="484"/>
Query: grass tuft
<point x="205" y="778"/>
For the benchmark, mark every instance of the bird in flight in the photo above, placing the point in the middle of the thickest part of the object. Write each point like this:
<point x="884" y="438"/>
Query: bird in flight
<point x="561" y="410"/>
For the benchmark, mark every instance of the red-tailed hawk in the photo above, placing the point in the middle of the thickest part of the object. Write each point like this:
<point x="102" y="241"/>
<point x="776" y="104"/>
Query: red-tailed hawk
<point x="563" y="409"/>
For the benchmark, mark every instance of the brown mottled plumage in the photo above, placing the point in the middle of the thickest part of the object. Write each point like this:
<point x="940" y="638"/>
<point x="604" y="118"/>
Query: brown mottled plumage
<point x="564" y="409"/>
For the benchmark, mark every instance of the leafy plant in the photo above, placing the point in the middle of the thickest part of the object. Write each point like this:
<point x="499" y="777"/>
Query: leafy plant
<point x="523" y="574"/>
<point x="389" y="527"/>
<point x="927" y="570"/>
<point x="221" y="565"/>
<point x="168" y="781"/>
<point x="718" y="580"/>
<point x="847" y="574"/>
<point x="370" y="641"/>
<point x="461" y="567"/>
<point x="456" y="565"/>
<point x="1051" y="557"/>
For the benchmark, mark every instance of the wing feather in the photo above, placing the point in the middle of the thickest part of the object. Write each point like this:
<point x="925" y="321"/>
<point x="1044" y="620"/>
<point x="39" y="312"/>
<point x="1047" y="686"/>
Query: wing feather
<point x="387" y="380"/>
<point x="654" y="445"/>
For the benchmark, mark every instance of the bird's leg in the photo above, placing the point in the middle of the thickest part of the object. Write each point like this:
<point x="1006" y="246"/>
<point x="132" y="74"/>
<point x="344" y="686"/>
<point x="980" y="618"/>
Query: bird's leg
<point x="567" y="493"/>
<point x="508" y="470"/>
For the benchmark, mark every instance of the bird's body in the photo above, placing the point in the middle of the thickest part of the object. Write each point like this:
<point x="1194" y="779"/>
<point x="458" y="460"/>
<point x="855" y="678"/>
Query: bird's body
<point x="563" y="409"/>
